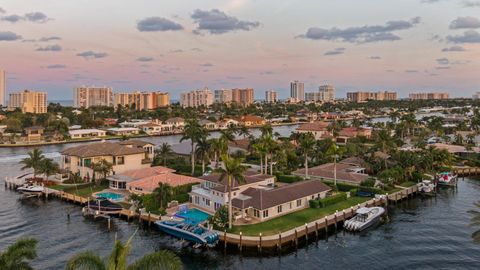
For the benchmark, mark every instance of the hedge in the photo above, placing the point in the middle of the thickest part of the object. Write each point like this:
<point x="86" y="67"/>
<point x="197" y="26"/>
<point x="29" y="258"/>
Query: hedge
<point x="340" y="197"/>
<point x="289" y="178"/>
<point x="371" y="189"/>
<point x="314" y="204"/>
<point x="344" y="187"/>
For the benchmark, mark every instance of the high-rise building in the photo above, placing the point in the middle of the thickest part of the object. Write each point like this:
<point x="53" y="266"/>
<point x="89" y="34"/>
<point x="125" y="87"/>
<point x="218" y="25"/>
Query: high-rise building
<point x="223" y="96"/>
<point x="28" y="101"/>
<point x="327" y="92"/>
<point x="313" y="96"/>
<point x="243" y="97"/>
<point x="476" y="95"/>
<point x="196" y="98"/>
<point x="271" y="96"/>
<point x="142" y="100"/>
<point x="432" y="95"/>
<point x="364" y="96"/>
<point x="297" y="92"/>
<point x="3" y="87"/>
<point x="92" y="96"/>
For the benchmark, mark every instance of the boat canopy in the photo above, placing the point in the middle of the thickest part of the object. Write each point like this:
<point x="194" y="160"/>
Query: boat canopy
<point x="363" y="211"/>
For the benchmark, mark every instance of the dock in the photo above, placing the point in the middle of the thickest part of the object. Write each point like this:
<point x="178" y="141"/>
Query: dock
<point x="466" y="171"/>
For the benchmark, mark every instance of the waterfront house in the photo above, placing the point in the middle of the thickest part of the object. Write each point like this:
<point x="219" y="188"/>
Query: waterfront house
<point x="226" y="123"/>
<point x="145" y="181"/>
<point x="176" y="122"/>
<point x="251" y="121"/>
<point x="352" y="132"/>
<point x="123" y="156"/>
<point x="348" y="171"/>
<point x="212" y="193"/>
<point x="208" y="124"/>
<point x="123" y="131"/>
<point x="152" y="129"/>
<point x="134" y="123"/>
<point x="261" y="204"/>
<point x="34" y="133"/>
<point x="87" y="133"/>
<point x="319" y="129"/>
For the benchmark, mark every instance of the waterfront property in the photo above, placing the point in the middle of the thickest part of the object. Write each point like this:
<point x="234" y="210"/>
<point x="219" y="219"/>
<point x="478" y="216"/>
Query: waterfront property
<point x="348" y="133"/>
<point x="87" y="133"/>
<point x="348" y="171"/>
<point x="251" y="120"/>
<point x="261" y="204"/>
<point x="212" y="193"/>
<point x="123" y="156"/>
<point x="127" y="131"/>
<point x="34" y="133"/>
<point x="319" y="129"/>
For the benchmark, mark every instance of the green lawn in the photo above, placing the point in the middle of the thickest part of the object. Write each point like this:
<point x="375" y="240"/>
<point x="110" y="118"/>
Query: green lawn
<point x="408" y="184"/>
<point x="83" y="190"/>
<point x="296" y="219"/>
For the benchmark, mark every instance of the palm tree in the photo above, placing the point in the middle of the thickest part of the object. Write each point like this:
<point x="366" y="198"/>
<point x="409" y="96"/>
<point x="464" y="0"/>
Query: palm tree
<point x="202" y="150"/>
<point x="33" y="161"/>
<point x="163" y="193"/>
<point x="226" y="136"/>
<point x="164" y="260"/>
<point x="243" y="131"/>
<point x="335" y="152"/>
<point x="215" y="149"/>
<point x="193" y="131"/>
<point x="475" y="222"/>
<point x="306" y="143"/>
<point x="233" y="170"/>
<point x="384" y="142"/>
<point x="48" y="167"/>
<point x="164" y="152"/>
<point x="103" y="167"/>
<point x="16" y="256"/>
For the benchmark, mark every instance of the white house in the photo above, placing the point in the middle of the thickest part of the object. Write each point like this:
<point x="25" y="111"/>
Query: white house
<point x="124" y="131"/>
<point x="87" y="133"/>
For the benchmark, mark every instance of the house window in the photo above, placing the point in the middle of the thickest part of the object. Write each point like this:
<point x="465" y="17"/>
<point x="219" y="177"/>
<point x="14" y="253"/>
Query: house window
<point x="197" y="200"/>
<point x="120" y="160"/>
<point x="217" y="205"/>
<point x="265" y="213"/>
<point x="207" y="202"/>
<point x="313" y="197"/>
<point x="279" y="209"/>
<point x="299" y="203"/>
<point x="256" y="213"/>
<point x="87" y="162"/>
<point x="290" y="205"/>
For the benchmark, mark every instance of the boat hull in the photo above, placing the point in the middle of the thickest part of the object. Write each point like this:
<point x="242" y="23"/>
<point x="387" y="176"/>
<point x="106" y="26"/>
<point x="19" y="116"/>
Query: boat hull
<point x="181" y="234"/>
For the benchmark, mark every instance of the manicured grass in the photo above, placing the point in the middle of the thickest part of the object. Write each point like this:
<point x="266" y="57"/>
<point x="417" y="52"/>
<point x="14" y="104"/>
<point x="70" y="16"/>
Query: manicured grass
<point x="408" y="184"/>
<point x="83" y="190"/>
<point x="296" y="219"/>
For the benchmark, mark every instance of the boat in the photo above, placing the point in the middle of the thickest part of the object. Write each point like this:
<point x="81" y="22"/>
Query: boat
<point x="364" y="218"/>
<point x="31" y="189"/>
<point x="447" y="179"/>
<point x="427" y="187"/>
<point x="101" y="207"/>
<point x="188" y="231"/>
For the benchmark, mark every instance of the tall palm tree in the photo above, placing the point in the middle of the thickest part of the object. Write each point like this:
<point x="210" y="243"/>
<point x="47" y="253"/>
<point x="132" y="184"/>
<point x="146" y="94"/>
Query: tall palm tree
<point x="33" y="161"/>
<point x="306" y="144"/>
<point x="16" y="256"/>
<point x="164" y="152"/>
<point x="233" y="170"/>
<point x="193" y="131"/>
<point x="226" y="136"/>
<point x="103" y="167"/>
<point x="243" y="131"/>
<point x="335" y="152"/>
<point x="48" y="167"/>
<point x="202" y="150"/>
<point x="384" y="142"/>
<point x="259" y="148"/>
<point x="215" y="149"/>
<point x="163" y="193"/>
<point x="163" y="260"/>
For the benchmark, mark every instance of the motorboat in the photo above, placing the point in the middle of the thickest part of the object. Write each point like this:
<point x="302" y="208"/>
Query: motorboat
<point x="101" y="206"/>
<point x="427" y="187"/>
<point x="188" y="231"/>
<point x="31" y="189"/>
<point x="447" y="179"/>
<point x="364" y="218"/>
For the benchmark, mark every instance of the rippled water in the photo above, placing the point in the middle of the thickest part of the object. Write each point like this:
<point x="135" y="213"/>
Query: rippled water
<point x="420" y="234"/>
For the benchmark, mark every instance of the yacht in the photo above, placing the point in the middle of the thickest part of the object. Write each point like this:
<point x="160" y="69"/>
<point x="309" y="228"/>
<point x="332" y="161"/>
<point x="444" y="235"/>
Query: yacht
<point x="447" y="179"/>
<point x="364" y="218"/>
<point x="101" y="207"/>
<point x="427" y="187"/>
<point x="31" y="189"/>
<point x="187" y="231"/>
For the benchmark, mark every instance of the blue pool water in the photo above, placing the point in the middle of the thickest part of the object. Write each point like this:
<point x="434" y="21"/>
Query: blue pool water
<point x="193" y="215"/>
<point x="110" y="195"/>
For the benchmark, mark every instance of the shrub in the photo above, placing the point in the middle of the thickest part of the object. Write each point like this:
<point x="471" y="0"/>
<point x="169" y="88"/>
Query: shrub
<point x="314" y="204"/>
<point x="370" y="189"/>
<point x="289" y="178"/>
<point x="340" y="197"/>
<point x="181" y="198"/>
<point x="369" y="182"/>
<point x="341" y="186"/>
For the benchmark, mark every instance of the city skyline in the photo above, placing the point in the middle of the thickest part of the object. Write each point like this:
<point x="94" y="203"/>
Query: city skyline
<point x="174" y="46"/>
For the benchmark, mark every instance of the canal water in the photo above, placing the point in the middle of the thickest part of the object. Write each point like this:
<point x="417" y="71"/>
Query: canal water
<point x="420" y="233"/>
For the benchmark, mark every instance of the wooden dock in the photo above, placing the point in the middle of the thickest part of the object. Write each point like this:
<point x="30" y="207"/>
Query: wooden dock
<point x="466" y="171"/>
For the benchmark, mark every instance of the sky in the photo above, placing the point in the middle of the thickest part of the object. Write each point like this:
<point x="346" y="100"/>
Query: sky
<point x="179" y="45"/>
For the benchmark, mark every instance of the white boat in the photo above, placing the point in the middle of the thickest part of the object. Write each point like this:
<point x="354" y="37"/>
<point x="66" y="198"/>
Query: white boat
<point x="427" y="187"/>
<point x="447" y="179"/>
<point x="31" y="189"/>
<point x="364" y="218"/>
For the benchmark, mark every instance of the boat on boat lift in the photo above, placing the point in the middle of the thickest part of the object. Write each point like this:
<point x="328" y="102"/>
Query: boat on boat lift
<point x="427" y="187"/>
<point x="447" y="179"/>
<point x="101" y="207"/>
<point x="31" y="189"/>
<point x="189" y="231"/>
<point x="364" y="218"/>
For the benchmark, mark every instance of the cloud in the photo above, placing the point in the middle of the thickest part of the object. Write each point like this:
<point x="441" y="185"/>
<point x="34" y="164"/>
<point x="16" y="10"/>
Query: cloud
<point x="218" y="22"/>
<point x="375" y="57"/>
<point x="2" y="11"/>
<point x="471" y="3"/>
<point x="268" y="72"/>
<point x="197" y="50"/>
<point x="9" y="36"/>
<point x="362" y="34"/>
<point x="411" y="71"/>
<point x="455" y="48"/>
<point x="443" y="61"/>
<point x="470" y="36"/>
<point x="12" y="18"/>
<point x="206" y="65"/>
<point x="56" y="66"/>
<point x="235" y="77"/>
<point x="440" y="68"/>
<point x="45" y="39"/>
<point x="145" y="59"/>
<point x="176" y="51"/>
<point x="335" y="51"/>
<point x="465" y="23"/>
<point x="157" y="24"/>
<point x="92" y="54"/>
<point x="37" y="17"/>
<point x="50" y="48"/>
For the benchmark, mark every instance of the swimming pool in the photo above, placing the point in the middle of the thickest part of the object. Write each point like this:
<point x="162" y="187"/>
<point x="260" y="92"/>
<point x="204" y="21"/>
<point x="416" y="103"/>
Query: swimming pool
<point x="193" y="215"/>
<point x="110" y="196"/>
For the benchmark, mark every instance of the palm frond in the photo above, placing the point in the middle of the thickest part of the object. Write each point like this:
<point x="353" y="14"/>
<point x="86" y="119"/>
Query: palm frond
<point x="85" y="261"/>
<point x="162" y="260"/>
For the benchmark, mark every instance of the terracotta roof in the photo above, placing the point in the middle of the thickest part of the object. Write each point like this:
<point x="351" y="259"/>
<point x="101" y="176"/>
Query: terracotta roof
<point x="327" y="171"/>
<point x="175" y="119"/>
<point x="250" y="178"/>
<point x="137" y="143"/>
<point x="315" y="126"/>
<point x="148" y="172"/>
<point x="150" y="183"/>
<point x="250" y="118"/>
<point x="265" y="198"/>
<point x="355" y="161"/>
<point x="102" y="149"/>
